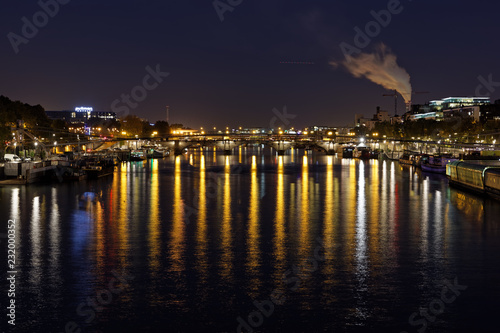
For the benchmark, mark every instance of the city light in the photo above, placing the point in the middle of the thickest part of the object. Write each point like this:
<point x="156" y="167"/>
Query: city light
<point x="84" y="109"/>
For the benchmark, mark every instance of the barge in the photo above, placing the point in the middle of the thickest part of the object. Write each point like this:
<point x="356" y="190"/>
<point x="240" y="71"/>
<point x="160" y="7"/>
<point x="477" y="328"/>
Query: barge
<point x="482" y="179"/>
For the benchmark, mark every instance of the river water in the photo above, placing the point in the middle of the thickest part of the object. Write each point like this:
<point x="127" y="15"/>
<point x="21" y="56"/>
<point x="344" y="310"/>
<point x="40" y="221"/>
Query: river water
<point x="253" y="242"/>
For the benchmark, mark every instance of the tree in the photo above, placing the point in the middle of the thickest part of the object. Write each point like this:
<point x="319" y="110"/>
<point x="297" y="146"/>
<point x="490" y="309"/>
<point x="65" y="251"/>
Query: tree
<point x="162" y="128"/>
<point x="11" y="111"/>
<point x="59" y="124"/>
<point x="383" y="128"/>
<point x="176" y="126"/>
<point x="147" y="129"/>
<point x="132" y="125"/>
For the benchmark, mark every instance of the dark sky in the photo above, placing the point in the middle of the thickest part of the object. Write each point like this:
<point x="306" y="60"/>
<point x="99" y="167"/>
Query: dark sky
<point x="229" y="73"/>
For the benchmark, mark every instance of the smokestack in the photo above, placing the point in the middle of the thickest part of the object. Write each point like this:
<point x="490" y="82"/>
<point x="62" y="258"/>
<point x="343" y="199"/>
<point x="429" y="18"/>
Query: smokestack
<point x="381" y="68"/>
<point x="168" y="111"/>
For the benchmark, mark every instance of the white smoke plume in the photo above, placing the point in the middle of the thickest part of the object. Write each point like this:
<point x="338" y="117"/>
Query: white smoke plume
<point x="381" y="68"/>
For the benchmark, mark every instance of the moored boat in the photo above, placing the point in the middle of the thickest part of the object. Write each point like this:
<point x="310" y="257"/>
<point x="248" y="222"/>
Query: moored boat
<point x="437" y="164"/>
<point x="433" y="168"/>
<point x="157" y="153"/>
<point x="137" y="155"/>
<point x="407" y="159"/>
<point x="483" y="179"/>
<point x="348" y="152"/>
<point x="95" y="168"/>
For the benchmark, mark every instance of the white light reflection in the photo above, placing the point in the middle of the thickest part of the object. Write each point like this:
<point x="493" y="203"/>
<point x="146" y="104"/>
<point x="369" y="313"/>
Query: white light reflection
<point x="54" y="233"/>
<point x="424" y="223"/>
<point x="392" y="198"/>
<point x="15" y="209"/>
<point x="384" y="206"/>
<point x="439" y="221"/>
<point x="36" y="271"/>
<point x="361" y="256"/>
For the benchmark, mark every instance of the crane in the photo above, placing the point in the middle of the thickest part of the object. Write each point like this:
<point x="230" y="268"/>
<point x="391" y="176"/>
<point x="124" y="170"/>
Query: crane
<point x="395" y="94"/>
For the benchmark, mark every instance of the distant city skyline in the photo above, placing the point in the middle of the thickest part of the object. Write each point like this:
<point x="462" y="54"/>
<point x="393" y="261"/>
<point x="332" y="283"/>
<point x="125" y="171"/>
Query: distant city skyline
<point x="261" y="56"/>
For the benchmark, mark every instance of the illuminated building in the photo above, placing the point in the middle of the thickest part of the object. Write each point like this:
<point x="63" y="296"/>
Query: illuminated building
<point x="451" y="107"/>
<point x="456" y="102"/>
<point x="81" y="114"/>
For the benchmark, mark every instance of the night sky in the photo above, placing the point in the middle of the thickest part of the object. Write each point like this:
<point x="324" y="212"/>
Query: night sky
<point x="229" y="73"/>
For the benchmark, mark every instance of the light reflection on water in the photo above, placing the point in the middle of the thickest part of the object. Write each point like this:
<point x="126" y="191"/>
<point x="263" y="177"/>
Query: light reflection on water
<point x="204" y="238"/>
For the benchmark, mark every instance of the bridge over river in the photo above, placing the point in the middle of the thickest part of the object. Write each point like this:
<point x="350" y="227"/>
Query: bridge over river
<point x="227" y="143"/>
